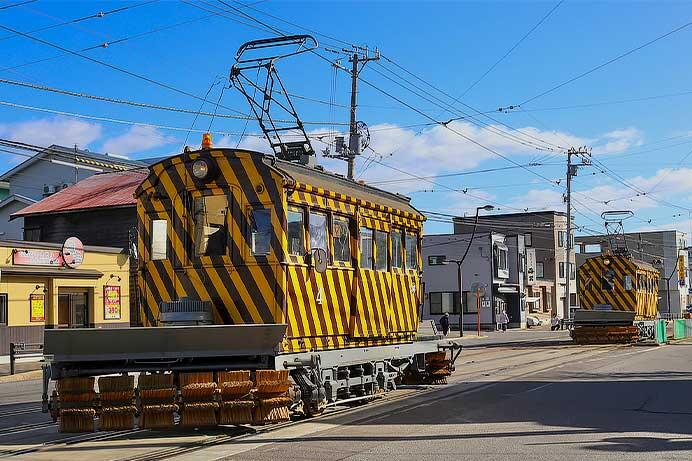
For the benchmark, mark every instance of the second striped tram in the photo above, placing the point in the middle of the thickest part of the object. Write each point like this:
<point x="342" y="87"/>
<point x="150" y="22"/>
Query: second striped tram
<point x="621" y="282"/>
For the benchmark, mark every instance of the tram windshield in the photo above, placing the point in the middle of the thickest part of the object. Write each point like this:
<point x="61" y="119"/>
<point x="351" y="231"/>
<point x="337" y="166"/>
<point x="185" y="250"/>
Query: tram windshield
<point x="210" y="225"/>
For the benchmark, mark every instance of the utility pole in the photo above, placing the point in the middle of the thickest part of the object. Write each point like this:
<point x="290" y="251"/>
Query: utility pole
<point x="585" y="155"/>
<point x="360" y="56"/>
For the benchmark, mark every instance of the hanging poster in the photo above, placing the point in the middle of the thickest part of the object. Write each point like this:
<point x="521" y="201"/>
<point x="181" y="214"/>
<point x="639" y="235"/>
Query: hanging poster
<point x="111" y="302"/>
<point x="38" y="307"/>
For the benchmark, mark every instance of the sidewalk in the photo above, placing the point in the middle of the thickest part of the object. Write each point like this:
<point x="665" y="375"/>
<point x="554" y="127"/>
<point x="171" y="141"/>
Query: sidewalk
<point x="22" y="367"/>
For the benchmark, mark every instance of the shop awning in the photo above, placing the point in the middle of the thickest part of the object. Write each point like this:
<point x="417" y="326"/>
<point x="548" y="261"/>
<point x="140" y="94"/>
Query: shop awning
<point x="508" y="289"/>
<point x="532" y="299"/>
<point x="42" y="271"/>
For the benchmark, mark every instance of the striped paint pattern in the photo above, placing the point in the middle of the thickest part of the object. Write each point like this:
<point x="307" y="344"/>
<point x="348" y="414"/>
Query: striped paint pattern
<point x="343" y="307"/>
<point x="642" y="298"/>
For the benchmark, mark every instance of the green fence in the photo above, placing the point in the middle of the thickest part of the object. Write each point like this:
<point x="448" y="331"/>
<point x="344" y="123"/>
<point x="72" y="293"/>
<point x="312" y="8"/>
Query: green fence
<point x="661" y="331"/>
<point x="682" y="328"/>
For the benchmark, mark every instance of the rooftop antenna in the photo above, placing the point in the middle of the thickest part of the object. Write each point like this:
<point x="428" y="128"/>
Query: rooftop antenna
<point x="271" y="106"/>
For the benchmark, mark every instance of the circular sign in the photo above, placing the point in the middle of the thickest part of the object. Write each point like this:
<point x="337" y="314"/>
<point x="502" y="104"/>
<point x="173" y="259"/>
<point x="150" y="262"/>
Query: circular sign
<point x="72" y="252"/>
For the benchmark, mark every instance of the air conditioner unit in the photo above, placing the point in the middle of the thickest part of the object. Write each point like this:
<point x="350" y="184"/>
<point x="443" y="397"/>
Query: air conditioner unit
<point x="46" y="189"/>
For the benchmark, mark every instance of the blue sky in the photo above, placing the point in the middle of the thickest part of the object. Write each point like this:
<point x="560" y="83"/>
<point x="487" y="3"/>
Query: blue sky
<point x="447" y="44"/>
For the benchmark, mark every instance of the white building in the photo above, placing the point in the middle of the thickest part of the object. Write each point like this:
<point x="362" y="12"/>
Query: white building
<point x="494" y="266"/>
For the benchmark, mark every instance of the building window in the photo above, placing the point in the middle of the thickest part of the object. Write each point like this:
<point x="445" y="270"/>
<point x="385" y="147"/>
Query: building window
<point x="572" y="272"/>
<point x="502" y="259"/>
<point x="211" y="232"/>
<point x="562" y="270"/>
<point x="381" y="250"/>
<point x="397" y="250"/>
<point x="470" y="302"/>
<point x="411" y="251"/>
<point x="3" y="309"/>
<point x="437" y="260"/>
<point x="366" y="256"/>
<point x="342" y="239"/>
<point x="318" y="231"/>
<point x="260" y="231"/>
<point x="296" y="232"/>
<point x="561" y="239"/>
<point x="539" y="270"/>
<point x="572" y="299"/>
<point x="159" y="230"/>
<point x="528" y="239"/>
<point x="32" y="234"/>
<point x="447" y="301"/>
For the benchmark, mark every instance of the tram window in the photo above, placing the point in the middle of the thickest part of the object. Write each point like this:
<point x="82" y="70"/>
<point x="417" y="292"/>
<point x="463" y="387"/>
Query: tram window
<point x="628" y="282"/>
<point x="261" y="231"/>
<point x="211" y="231"/>
<point x="411" y="251"/>
<point x="159" y="230"/>
<point x="318" y="231"/>
<point x="608" y="280"/>
<point x="366" y="259"/>
<point x="381" y="250"/>
<point x="342" y="239"/>
<point x="296" y="232"/>
<point x="397" y="253"/>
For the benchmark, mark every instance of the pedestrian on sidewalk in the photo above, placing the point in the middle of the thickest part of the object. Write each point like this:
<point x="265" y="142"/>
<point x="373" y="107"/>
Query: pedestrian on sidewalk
<point x="554" y="322"/>
<point x="503" y="319"/>
<point x="444" y="323"/>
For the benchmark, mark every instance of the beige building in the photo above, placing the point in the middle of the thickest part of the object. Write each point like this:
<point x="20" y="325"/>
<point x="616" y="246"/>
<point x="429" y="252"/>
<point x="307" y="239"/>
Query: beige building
<point x="44" y="286"/>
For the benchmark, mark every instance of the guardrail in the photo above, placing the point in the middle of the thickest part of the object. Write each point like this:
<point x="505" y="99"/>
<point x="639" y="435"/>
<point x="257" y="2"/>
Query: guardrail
<point x="24" y="350"/>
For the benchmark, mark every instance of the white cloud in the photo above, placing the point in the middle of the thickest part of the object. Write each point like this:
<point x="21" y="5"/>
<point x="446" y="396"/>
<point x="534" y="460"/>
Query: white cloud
<point x="137" y="139"/>
<point x="539" y="200"/>
<point x="618" y="141"/>
<point x="65" y="131"/>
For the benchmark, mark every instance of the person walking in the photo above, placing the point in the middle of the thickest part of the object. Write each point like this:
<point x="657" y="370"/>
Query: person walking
<point x="444" y="323"/>
<point x="503" y="319"/>
<point x="554" y="322"/>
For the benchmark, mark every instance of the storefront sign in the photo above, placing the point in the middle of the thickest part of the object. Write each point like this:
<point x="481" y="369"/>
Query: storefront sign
<point x="38" y="308"/>
<point x="36" y="257"/>
<point x="73" y="252"/>
<point x="111" y="302"/>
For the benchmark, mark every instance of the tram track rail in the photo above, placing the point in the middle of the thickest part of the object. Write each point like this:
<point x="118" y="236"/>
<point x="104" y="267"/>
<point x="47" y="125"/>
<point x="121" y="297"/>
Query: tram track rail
<point x="416" y="393"/>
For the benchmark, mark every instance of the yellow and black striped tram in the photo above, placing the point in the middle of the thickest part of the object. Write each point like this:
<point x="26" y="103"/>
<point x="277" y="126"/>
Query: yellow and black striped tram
<point x="619" y="281"/>
<point x="243" y="238"/>
<point x="265" y="287"/>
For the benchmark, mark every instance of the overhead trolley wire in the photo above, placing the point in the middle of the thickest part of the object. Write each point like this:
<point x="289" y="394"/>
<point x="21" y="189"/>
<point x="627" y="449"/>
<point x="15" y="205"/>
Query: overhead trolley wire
<point x="98" y="15"/>
<point x="516" y="45"/>
<point x="112" y="66"/>
<point x="7" y="7"/>
<point x="604" y="64"/>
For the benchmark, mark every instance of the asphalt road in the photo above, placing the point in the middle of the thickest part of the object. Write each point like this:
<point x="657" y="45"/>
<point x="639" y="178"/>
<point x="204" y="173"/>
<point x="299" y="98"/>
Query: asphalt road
<point x="535" y="397"/>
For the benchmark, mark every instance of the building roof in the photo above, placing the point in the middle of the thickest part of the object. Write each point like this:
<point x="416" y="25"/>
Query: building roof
<point x="333" y="182"/>
<point x="97" y="191"/>
<point x="79" y="156"/>
<point x="16" y="198"/>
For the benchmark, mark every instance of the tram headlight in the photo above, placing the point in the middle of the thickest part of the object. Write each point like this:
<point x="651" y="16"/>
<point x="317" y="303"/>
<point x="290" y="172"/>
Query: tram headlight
<point x="201" y="169"/>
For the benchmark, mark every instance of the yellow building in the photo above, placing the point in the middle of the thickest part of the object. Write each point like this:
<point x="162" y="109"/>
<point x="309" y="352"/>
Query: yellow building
<point x="46" y="285"/>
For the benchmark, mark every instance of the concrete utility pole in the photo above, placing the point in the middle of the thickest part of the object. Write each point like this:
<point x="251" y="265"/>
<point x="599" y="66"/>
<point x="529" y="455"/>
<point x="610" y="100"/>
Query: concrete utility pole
<point x="362" y="57"/>
<point x="584" y="154"/>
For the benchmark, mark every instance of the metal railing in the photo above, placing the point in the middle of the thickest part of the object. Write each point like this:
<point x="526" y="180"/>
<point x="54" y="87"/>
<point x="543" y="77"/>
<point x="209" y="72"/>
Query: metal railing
<point x="18" y="350"/>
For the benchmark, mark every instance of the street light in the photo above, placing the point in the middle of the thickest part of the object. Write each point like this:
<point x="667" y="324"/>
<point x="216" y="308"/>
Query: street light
<point x="459" y="262"/>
